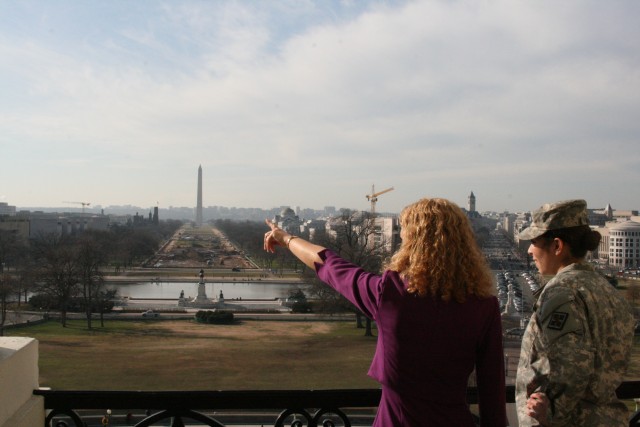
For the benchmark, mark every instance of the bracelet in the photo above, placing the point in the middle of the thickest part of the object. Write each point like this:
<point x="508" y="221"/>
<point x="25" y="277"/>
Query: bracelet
<point x="289" y="240"/>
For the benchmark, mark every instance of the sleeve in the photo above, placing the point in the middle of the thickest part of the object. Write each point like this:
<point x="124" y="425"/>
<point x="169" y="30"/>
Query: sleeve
<point x="568" y="350"/>
<point x="361" y="288"/>
<point x="490" y="373"/>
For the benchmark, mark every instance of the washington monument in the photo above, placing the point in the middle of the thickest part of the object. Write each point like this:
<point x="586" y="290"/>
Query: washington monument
<point x="199" y="203"/>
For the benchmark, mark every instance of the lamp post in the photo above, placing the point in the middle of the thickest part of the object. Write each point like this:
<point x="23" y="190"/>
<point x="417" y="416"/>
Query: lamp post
<point x="106" y="420"/>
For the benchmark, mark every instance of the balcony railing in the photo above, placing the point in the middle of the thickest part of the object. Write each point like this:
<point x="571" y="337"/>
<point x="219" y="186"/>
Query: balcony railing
<point x="280" y="408"/>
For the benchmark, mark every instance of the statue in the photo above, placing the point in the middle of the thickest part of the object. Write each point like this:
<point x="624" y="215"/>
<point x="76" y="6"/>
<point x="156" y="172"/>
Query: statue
<point x="202" y="294"/>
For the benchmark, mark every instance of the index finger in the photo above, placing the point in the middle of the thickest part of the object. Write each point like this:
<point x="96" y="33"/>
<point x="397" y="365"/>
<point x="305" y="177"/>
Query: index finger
<point x="270" y="224"/>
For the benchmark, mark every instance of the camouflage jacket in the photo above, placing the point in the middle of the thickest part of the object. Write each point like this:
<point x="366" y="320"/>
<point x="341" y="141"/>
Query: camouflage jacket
<point x="576" y="349"/>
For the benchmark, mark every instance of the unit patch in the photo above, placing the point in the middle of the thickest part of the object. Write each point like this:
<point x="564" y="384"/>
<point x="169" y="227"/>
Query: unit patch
<point x="557" y="320"/>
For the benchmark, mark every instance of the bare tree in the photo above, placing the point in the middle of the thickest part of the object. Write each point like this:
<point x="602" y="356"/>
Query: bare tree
<point x="92" y="255"/>
<point x="352" y="237"/>
<point x="12" y="251"/>
<point x="8" y="244"/>
<point x="104" y="302"/>
<point x="327" y="300"/>
<point x="59" y="272"/>
<point x="5" y="290"/>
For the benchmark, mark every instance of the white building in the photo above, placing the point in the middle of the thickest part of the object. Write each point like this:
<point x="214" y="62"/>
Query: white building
<point x="386" y="233"/>
<point x="624" y="244"/>
<point x="41" y="223"/>
<point x="288" y="221"/>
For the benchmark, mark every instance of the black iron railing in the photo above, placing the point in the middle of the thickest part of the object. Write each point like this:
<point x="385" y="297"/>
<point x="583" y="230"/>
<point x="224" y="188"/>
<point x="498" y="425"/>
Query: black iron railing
<point x="309" y="408"/>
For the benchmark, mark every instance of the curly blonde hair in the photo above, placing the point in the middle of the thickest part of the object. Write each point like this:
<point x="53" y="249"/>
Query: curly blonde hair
<point x="439" y="255"/>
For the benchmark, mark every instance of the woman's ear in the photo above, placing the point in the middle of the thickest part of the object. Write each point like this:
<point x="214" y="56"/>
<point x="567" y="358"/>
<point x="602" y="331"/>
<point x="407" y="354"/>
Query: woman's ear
<point x="559" y="246"/>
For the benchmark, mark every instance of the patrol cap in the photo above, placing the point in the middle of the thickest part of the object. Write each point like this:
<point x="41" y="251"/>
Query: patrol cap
<point x="554" y="216"/>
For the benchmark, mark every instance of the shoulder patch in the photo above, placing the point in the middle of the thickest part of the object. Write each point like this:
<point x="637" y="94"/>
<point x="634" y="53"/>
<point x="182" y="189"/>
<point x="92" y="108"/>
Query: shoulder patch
<point x="557" y="320"/>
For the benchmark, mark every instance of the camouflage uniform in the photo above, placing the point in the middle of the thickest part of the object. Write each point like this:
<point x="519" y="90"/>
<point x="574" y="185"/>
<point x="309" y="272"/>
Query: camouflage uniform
<point x="576" y="350"/>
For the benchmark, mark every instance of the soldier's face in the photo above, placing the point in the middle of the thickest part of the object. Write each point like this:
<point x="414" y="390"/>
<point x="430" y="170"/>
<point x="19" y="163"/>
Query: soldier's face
<point x="543" y="253"/>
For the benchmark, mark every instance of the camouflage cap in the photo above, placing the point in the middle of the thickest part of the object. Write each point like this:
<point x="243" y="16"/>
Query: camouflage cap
<point x="554" y="216"/>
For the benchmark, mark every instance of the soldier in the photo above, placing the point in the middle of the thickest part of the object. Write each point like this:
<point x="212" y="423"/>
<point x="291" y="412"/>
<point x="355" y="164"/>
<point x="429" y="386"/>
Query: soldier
<point x="577" y="346"/>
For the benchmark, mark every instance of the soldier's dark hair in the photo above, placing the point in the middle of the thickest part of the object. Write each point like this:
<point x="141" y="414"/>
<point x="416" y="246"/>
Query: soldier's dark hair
<point x="580" y="239"/>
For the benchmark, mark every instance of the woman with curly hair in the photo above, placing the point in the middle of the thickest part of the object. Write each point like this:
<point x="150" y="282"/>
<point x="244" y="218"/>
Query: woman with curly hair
<point x="437" y="317"/>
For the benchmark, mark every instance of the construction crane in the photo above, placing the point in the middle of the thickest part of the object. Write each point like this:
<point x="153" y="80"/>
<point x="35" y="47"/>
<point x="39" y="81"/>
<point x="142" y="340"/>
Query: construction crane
<point x="373" y="198"/>
<point x="84" y="204"/>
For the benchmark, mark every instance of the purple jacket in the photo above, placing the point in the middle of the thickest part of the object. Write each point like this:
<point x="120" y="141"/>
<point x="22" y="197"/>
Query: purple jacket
<point x="426" y="349"/>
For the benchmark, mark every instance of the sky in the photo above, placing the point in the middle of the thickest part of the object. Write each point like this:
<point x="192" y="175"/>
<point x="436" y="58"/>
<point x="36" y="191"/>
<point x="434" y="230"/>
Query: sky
<point x="317" y="103"/>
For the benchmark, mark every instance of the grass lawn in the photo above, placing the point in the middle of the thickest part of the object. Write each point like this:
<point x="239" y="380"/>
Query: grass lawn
<point x="184" y="355"/>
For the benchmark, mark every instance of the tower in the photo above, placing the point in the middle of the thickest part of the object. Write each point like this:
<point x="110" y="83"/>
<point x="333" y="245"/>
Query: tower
<point x="471" y="207"/>
<point x="199" y="202"/>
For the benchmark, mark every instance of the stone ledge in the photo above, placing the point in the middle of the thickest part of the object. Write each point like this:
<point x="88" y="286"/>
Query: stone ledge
<point x="28" y="415"/>
<point x="19" y="378"/>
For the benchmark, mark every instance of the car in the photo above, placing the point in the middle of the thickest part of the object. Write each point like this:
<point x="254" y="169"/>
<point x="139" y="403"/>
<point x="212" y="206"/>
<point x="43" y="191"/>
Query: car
<point x="514" y="332"/>
<point x="150" y="313"/>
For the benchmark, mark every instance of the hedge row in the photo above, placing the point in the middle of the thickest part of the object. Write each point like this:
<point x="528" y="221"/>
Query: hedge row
<point x="214" y="317"/>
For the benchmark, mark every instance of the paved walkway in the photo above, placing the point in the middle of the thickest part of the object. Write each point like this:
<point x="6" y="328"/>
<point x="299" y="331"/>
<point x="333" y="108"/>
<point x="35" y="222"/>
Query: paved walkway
<point x="21" y="317"/>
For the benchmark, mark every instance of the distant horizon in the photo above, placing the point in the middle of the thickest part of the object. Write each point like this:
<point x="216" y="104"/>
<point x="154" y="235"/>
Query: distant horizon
<point x="337" y="208"/>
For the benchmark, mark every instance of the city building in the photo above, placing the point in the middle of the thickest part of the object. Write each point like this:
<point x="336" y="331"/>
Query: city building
<point x="64" y="224"/>
<point x="6" y="209"/>
<point x="624" y="244"/>
<point x="289" y="221"/>
<point x="18" y="227"/>
<point x="386" y="233"/>
<point x="29" y="225"/>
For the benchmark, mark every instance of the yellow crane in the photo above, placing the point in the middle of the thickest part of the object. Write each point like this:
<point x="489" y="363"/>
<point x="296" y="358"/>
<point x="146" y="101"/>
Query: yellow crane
<point x="373" y="198"/>
<point x="84" y="204"/>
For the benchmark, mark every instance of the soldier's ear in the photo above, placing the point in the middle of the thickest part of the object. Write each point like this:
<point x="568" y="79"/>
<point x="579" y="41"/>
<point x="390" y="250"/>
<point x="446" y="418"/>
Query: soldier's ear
<point x="558" y="246"/>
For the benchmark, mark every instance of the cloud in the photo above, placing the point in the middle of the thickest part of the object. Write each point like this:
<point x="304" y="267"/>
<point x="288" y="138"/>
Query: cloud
<point x="301" y="93"/>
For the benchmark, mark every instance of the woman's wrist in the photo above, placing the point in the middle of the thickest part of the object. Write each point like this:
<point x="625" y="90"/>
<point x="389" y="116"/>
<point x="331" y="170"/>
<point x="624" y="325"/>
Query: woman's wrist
<point x="287" y="240"/>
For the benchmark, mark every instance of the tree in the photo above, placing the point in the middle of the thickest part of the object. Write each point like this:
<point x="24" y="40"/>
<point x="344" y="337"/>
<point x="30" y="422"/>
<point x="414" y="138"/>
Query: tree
<point x="352" y="237"/>
<point x="133" y="245"/>
<point x="326" y="299"/>
<point x="482" y="235"/>
<point x="248" y="235"/>
<point x="25" y="278"/>
<point x="9" y="246"/>
<point x="12" y="253"/>
<point x="6" y="283"/>
<point x="299" y="303"/>
<point x="92" y="255"/>
<point x="59" y="273"/>
<point x="104" y="302"/>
